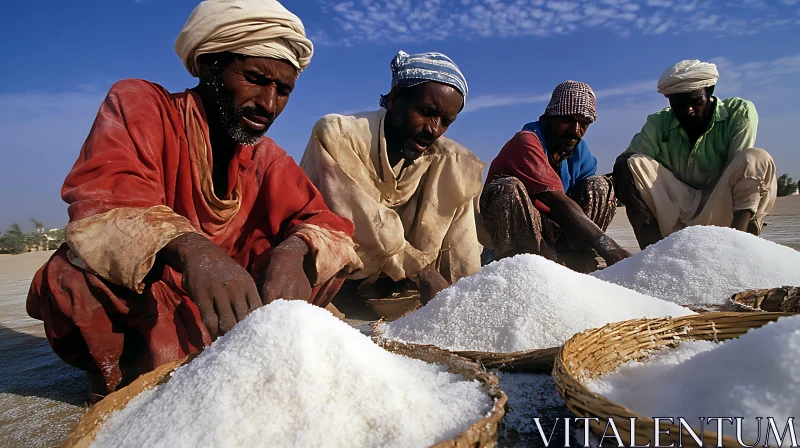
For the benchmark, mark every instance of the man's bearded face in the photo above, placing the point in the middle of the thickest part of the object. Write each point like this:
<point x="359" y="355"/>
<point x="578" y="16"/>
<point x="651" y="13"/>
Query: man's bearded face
<point x="244" y="97"/>
<point x="229" y="116"/>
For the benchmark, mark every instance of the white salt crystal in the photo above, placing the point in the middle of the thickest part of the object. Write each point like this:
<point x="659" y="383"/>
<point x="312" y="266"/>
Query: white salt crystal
<point x="522" y="303"/>
<point x="756" y="375"/>
<point x="291" y="374"/>
<point x="706" y="265"/>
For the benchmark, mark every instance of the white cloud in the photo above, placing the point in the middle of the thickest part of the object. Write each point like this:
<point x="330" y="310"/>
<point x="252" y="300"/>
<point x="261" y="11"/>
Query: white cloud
<point x="487" y="101"/>
<point x="430" y="20"/>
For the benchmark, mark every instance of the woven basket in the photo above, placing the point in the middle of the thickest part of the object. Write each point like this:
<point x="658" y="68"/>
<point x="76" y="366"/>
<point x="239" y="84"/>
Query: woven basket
<point x="785" y="299"/>
<point x="482" y="433"/>
<point x="391" y="308"/>
<point x="531" y="361"/>
<point x="595" y="352"/>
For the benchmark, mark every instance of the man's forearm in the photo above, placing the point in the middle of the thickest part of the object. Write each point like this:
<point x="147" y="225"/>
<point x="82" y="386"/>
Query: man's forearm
<point x="567" y="214"/>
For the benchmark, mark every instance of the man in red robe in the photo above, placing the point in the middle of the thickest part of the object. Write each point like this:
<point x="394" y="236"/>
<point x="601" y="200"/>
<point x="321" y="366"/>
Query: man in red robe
<point x="183" y="216"/>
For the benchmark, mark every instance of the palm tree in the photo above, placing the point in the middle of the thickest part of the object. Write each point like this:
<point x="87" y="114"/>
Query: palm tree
<point x="38" y="237"/>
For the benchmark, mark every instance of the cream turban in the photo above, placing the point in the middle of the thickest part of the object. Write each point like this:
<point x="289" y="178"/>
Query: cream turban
<point x="262" y="28"/>
<point x="687" y="76"/>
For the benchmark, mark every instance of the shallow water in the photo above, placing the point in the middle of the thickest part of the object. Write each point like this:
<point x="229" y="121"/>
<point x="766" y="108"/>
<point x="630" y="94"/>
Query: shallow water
<point x="42" y="398"/>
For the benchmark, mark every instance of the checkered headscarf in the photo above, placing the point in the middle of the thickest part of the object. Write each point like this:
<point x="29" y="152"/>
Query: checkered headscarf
<point x="573" y="98"/>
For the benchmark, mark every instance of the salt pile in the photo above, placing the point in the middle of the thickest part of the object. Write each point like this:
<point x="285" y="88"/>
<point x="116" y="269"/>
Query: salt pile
<point x="706" y="265"/>
<point x="756" y="375"/>
<point x="522" y="303"/>
<point x="291" y="374"/>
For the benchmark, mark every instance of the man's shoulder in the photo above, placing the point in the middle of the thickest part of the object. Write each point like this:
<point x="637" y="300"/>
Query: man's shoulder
<point x="522" y="144"/>
<point x="527" y="138"/>
<point x="337" y="125"/>
<point x="661" y="117"/>
<point x="450" y="149"/>
<point x="739" y="106"/>
<point x="137" y="89"/>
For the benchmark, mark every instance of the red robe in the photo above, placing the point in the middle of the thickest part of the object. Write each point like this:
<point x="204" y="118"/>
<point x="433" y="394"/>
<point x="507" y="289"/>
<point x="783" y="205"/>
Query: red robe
<point x="524" y="158"/>
<point x="143" y="178"/>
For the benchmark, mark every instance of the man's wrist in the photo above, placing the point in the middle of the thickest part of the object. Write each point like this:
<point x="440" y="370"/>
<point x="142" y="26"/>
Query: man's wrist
<point x="293" y="245"/>
<point x="605" y="245"/>
<point x="178" y="252"/>
<point x="425" y="273"/>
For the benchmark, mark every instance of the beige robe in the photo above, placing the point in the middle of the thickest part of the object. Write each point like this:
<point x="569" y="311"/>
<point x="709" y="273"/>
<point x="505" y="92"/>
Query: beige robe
<point x="404" y="219"/>
<point x="747" y="183"/>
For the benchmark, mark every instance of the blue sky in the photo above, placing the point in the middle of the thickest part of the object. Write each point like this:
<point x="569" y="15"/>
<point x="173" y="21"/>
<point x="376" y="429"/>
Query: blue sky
<point x="61" y="58"/>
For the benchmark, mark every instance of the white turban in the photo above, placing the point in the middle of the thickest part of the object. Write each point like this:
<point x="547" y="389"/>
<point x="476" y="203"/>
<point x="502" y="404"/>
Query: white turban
<point x="262" y="28"/>
<point x="687" y="76"/>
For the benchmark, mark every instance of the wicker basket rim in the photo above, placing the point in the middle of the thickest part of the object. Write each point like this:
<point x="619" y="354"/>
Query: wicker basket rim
<point x="378" y="335"/>
<point x="589" y="401"/>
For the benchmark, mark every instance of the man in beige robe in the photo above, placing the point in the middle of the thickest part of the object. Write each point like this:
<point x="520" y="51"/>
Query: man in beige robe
<point x="410" y="192"/>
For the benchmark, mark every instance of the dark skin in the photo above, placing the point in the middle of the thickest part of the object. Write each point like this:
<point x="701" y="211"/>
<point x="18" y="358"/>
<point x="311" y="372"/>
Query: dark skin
<point x="694" y="111"/>
<point x="563" y="133"/>
<point x="242" y="97"/>
<point x="416" y="117"/>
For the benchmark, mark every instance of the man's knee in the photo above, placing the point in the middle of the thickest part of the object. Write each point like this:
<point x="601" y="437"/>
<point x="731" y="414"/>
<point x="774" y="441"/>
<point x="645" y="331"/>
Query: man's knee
<point x="598" y="183"/>
<point x="505" y="183"/>
<point x="751" y="170"/>
<point x="757" y="158"/>
<point x="503" y="188"/>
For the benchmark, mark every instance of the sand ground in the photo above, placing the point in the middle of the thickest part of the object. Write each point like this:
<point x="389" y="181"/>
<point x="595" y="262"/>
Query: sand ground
<point x="41" y="397"/>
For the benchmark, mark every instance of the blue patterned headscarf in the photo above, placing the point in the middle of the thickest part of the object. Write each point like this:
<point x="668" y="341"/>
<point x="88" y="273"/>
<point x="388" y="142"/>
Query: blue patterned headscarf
<point x="412" y="69"/>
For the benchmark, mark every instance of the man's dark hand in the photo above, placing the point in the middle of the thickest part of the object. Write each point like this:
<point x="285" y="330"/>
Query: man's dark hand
<point x="223" y="290"/>
<point x="566" y="213"/>
<point x="430" y="282"/>
<point x="610" y="251"/>
<point x="615" y="256"/>
<point x="284" y="276"/>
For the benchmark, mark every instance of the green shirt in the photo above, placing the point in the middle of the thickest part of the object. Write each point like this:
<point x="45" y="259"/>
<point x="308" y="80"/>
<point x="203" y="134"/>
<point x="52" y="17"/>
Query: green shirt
<point x="732" y="129"/>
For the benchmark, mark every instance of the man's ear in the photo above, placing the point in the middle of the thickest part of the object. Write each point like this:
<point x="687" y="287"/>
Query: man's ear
<point x="390" y="97"/>
<point x="710" y="91"/>
<point x="205" y="66"/>
<point x="203" y="70"/>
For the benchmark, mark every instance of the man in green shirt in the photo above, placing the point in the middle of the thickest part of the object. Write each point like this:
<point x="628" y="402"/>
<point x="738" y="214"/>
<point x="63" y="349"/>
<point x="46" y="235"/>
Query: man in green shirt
<point x="695" y="163"/>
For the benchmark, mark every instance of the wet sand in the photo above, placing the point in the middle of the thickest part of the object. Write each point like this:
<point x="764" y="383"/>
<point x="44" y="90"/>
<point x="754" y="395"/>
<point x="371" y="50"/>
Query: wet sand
<point x="41" y="397"/>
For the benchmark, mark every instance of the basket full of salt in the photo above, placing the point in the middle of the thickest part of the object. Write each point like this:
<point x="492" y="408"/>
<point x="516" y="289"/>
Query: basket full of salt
<point x="711" y="365"/>
<point x="291" y="374"/>
<point x="516" y="312"/>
